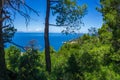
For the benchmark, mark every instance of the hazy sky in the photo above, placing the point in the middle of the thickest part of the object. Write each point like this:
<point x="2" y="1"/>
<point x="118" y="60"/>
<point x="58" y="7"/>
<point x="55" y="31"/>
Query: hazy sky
<point x="92" y="19"/>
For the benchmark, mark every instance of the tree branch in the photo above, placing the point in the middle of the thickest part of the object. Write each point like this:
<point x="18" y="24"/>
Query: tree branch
<point x="32" y="9"/>
<point x="5" y="26"/>
<point x="57" y="25"/>
<point x="17" y="45"/>
<point x="22" y="13"/>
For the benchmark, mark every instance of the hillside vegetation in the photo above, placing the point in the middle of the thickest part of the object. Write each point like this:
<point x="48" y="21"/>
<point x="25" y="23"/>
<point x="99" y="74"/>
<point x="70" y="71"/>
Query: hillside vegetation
<point x="90" y="57"/>
<point x="93" y="56"/>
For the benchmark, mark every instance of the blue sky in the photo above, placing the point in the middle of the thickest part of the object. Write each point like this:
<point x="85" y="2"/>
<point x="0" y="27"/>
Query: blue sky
<point x="92" y="19"/>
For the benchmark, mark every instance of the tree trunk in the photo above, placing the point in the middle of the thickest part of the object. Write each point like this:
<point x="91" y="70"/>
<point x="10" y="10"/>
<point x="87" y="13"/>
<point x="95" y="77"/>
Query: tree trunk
<point x="3" y="75"/>
<point x="46" y="38"/>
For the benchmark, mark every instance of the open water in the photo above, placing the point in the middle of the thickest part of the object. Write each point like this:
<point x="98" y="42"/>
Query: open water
<point x="56" y="39"/>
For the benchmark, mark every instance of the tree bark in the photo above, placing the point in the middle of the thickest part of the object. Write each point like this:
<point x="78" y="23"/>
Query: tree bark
<point x="46" y="38"/>
<point x="3" y="74"/>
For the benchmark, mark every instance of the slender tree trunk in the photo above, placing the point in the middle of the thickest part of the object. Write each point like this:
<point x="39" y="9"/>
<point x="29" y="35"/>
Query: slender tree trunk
<point x="46" y="38"/>
<point x="2" y="53"/>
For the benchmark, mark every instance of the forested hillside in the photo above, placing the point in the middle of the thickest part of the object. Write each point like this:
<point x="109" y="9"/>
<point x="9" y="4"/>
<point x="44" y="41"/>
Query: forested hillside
<point x="93" y="56"/>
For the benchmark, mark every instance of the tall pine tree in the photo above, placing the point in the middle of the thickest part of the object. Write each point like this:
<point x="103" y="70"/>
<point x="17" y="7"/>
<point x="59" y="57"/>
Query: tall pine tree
<point x="69" y="15"/>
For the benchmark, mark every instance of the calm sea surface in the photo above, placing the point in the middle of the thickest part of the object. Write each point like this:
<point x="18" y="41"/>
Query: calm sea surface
<point x="56" y="39"/>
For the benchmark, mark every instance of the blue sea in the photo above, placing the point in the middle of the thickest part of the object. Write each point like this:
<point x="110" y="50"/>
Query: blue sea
<point x="56" y="39"/>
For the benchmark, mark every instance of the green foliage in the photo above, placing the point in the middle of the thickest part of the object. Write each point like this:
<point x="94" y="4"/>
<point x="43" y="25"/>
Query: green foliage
<point x="88" y="58"/>
<point x="105" y="34"/>
<point x="12" y="58"/>
<point x="105" y="73"/>
<point x="26" y="65"/>
<point x="88" y="63"/>
<point x="92" y="56"/>
<point x="29" y="65"/>
<point x="69" y="14"/>
<point x="111" y="12"/>
<point x="72" y="65"/>
<point x="73" y="71"/>
<point x="8" y="33"/>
